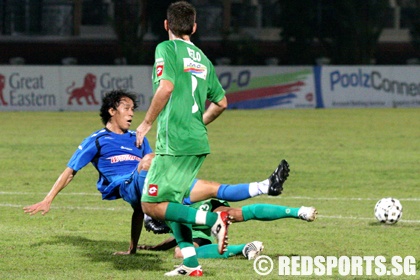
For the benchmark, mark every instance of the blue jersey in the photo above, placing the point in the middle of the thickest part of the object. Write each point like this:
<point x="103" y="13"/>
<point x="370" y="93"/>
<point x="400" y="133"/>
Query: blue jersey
<point x="115" y="156"/>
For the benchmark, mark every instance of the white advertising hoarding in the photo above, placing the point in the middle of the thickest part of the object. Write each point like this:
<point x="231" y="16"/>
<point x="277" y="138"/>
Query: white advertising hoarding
<point x="74" y="88"/>
<point x="268" y="86"/>
<point x="369" y="86"/>
<point x="83" y="87"/>
<point x="26" y="88"/>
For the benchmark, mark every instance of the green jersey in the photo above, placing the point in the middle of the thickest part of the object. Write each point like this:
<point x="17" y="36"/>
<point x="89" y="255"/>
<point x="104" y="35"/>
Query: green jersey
<point x="180" y="129"/>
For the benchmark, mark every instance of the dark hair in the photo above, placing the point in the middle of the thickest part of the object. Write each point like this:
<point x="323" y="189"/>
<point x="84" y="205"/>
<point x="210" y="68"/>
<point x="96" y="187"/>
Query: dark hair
<point x="181" y="18"/>
<point x="112" y="100"/>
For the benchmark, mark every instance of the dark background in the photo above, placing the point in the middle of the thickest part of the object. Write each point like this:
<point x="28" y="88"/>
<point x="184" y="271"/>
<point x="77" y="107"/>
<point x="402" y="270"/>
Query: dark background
<point x="242" y="32"/>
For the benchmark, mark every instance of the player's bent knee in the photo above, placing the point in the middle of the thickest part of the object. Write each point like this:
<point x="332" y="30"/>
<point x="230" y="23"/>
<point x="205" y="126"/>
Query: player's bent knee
<point x="145" y="162"/>
<point x="155" y="210"/>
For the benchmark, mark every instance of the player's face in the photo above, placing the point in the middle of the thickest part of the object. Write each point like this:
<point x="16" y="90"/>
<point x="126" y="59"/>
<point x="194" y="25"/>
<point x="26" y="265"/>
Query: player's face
<point x="124" y="114"/>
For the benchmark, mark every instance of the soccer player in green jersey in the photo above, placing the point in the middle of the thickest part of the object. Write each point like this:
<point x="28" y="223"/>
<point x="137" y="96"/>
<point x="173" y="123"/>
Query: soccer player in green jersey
<point x="183" y="79"/>
<point x="202" y="237"/>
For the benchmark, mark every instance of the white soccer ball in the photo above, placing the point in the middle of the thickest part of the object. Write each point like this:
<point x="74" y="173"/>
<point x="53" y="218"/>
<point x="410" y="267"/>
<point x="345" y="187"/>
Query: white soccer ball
<point x="388" y="210"/>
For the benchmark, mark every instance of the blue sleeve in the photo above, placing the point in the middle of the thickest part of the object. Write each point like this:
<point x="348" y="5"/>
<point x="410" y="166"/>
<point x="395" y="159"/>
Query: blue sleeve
<point x="84" y="154"/>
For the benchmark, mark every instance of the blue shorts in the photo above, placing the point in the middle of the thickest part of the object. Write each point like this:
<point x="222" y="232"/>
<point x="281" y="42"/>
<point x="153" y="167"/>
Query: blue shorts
<point x="131" y="189"/>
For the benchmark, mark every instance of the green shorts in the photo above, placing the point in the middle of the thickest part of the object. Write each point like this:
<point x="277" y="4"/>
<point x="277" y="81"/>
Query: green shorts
<point x="170" y="177"/>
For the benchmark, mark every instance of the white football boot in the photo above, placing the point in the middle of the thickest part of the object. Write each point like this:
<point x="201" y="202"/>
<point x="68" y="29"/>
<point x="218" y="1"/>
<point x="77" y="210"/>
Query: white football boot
<point x="183" y="270"/>
<point x="252" y="249"/>
<point x="307" y="213"/>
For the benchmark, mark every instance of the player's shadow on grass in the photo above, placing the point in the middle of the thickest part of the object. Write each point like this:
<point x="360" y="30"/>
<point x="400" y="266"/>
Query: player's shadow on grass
<point x="399" y="224"/>
<point x="102" y="251"/>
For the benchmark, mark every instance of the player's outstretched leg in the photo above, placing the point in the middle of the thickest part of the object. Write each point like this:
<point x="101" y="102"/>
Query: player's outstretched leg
<point x="271" y="212"/>
<point x="183" y="270"/>
<point x="253" y="249"/>
<point x="307" y="213"/>
<point x="220" y="230"/>
<point x="278" y="178"/>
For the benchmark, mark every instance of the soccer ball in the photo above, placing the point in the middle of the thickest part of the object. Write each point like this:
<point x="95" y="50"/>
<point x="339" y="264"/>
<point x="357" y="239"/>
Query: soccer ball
<point x="388" y="210"/>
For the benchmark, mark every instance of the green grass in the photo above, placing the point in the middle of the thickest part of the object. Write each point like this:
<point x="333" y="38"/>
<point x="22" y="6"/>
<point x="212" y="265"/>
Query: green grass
<point x="342" y="162"/>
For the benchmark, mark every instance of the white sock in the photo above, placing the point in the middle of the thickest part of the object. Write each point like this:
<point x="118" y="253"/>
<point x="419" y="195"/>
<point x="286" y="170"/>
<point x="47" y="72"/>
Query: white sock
<point x="258" y="188"/>
<point x="188" y="252"/>
<point x="200" y="217"/>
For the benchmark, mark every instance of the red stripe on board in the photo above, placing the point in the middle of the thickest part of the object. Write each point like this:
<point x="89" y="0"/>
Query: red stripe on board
<point x="263" y="92"/>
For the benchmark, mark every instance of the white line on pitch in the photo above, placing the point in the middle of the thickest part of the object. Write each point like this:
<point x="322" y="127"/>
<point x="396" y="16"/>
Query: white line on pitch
<point x="128" y="209"/>
<point x="284" y="197"/>
<point x="64" y="193"/>
<point x="74" y="207"/>
<point x="362" y="218"/>
<point x="345" y="198"/>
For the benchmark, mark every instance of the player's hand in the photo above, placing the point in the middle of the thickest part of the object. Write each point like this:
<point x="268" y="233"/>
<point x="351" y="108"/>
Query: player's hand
<point x="42" y="206"/>
<point x="145" y="247"/>
<point x="141" y="132"/>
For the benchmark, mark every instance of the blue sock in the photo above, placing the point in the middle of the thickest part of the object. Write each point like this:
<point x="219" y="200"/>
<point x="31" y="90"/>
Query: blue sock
<point x="233" y="192"/>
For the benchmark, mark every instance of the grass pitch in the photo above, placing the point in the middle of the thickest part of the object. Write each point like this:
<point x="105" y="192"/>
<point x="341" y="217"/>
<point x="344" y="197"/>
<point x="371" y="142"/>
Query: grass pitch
<point x="342" y="162"/>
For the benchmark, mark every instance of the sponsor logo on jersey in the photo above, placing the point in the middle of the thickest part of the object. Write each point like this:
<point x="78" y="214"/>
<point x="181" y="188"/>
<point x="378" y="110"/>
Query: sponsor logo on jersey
<point x="153" y="190"/>
<point x="126" y="148"/>
<point x="197" y="69"/>
<point x="119" y="158"/>
<point x="159" y="66"/>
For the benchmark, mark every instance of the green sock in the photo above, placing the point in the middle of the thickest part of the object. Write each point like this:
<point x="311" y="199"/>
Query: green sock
<point x="210" y="251"/>
<point x="183" y="236"/>
<point x="176" y="212"/>
<point x="268" y="212"/>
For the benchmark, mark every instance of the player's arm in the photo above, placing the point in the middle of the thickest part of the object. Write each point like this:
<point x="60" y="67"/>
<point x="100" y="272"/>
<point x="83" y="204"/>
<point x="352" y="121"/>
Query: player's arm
<point x="136" y="228"/>
<point x="163" y="246"/>
<point x="44" y="206"/>
<point x="161" y="97"/>
<point x="214" y="110"/>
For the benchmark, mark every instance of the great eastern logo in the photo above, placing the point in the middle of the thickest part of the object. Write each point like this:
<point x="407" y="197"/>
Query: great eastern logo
<point x="86" y="91"/>
<point x="2" y="85"/>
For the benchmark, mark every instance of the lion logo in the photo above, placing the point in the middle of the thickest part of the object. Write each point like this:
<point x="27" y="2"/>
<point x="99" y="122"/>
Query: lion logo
<point x="2" y="85"/>
<point x="86" y="91"/>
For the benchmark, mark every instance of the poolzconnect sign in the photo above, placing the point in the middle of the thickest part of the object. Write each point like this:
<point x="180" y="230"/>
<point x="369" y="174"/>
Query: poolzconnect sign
<point x="373" y="79"/>
<point x="367" y="86"/>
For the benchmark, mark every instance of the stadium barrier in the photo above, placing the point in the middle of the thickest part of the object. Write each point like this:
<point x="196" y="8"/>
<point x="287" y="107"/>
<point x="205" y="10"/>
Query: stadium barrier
<point x="80" y="88"/>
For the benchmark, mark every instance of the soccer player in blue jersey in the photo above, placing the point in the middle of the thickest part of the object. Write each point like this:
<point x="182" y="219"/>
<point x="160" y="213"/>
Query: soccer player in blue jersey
<point x="113" y="152"/>
<point x="122" y="166"/>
